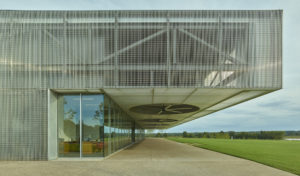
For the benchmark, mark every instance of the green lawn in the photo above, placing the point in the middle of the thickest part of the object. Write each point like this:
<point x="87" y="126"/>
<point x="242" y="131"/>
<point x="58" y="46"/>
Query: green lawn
<point x="281" y="154"/>
<point x="292" y="137"/>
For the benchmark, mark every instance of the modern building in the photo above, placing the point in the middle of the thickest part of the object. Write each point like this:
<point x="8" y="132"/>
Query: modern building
<point x="87" y="83"/>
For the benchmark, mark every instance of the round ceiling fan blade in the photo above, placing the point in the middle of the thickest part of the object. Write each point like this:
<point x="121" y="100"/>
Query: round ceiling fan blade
<point x="160" y="112"/>
<point x="164" y="108"/>
<point x="171" y="110"/>
<point x="154" y="106"/>
<point x="169" y="106"/>
<point x="182" y="108"/>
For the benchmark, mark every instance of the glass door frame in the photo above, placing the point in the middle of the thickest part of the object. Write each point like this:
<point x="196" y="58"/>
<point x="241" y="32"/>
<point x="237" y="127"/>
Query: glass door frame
<point x="81" y="125"/>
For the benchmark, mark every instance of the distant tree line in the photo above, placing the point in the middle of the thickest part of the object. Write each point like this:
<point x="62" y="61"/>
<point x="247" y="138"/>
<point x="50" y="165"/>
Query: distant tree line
<point x="230" y="134"/>
<point x="238" y="135"/>
<point x="219" y="135"/>
<point x="292" y="133"/>
<point x="161" y="134"/>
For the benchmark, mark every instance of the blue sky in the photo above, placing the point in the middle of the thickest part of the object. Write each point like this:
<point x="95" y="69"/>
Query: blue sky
<point x="276" y="111"/>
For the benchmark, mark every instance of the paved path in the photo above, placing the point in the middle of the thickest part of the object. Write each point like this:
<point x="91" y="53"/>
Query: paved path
<point x="151" y="157"/>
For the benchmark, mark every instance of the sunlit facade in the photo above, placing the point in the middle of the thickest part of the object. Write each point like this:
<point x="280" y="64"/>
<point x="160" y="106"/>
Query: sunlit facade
<point x="87" y="83"/>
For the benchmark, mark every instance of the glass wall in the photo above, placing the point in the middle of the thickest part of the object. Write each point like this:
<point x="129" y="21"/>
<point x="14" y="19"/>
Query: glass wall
<point x="68" y="126"/>
<point x="119" y="128"/>
<point x="92" y="125"/>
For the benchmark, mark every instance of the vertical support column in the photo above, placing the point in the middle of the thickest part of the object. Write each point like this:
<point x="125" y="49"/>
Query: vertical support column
<point x="133" y="132"/>
<point x="80" y="123"/>
<point x="52" y="125"/>
<point x="168" y="52"/>
<point x="116" y="63"/>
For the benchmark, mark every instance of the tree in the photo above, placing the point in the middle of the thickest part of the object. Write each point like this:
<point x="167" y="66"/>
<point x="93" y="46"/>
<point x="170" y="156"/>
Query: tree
<point x="199" y="135"/>
<point x="158" y="135"/>
<point x="70" y="114"/>
<point x="222" y="135"/>
<point x="99" y="113"/>
<point x="231" y="134"/>
<point x="165" y="135"/>
<point x="190" y="135"/>
<point x="206" y="135"/>
<point x="184" y="134"/>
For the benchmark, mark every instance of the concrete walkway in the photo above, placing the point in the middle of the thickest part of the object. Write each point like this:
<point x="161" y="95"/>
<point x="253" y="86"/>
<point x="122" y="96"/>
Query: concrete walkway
<point x="151" y="157"/>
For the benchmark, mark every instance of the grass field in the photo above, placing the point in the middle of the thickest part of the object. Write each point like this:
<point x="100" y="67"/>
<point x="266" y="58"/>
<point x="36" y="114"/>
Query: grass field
<point x="292" y="137"/>
<point x="281" y="154"/>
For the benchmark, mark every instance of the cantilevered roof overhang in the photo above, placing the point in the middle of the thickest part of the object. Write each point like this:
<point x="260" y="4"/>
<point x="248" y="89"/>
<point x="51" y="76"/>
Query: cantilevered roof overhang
<point x="208" y="100"/>
<point x="163" y="68"/>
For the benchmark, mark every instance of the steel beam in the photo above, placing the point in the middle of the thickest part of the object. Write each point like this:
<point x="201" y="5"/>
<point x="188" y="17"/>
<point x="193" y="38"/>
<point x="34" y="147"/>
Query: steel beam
<point x="110" y="26"/>
<point x="53" y="37"/>
<point x="229" y="79"/>
<point x="91" y="67"/>
<point x="118" y="52"/>
<point x="208" y="45"/>
<point x="110" y="20"/>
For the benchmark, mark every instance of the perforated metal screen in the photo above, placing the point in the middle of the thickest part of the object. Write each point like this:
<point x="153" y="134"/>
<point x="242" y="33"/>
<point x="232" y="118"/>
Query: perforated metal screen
<point x="96" y="49"/>
<point x="42" y="50"/>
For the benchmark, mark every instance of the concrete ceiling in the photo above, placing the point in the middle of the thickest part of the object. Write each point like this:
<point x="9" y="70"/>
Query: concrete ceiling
<point x="208" y="100"/>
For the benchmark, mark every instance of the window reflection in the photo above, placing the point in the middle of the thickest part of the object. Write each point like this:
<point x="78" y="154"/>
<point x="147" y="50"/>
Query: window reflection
<point x="92" y="125"/>
<point x="69" y="125"/>
<point x="105" y="127"/>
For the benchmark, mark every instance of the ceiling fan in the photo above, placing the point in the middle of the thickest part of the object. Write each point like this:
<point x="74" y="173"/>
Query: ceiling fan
<point x="164" y="109"/>
<point x="158" y="120"/>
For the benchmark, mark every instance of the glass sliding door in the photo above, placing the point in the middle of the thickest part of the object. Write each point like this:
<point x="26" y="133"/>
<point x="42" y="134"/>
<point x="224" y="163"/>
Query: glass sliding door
<point x="69" y="126"/>
<point x="92" y="125"/>
<point x="80" y="125"/>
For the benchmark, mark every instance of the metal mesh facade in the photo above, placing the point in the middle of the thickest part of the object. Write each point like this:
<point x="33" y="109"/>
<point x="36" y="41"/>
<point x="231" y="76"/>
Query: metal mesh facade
<point x="96" y="49"/>
<point x="23" y="124"/>
<point x="41" y="50"/>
